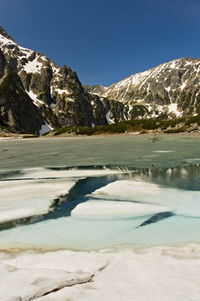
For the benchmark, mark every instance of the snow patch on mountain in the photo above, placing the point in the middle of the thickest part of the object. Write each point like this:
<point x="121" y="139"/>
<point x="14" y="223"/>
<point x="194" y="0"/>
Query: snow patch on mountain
<point x="108" y="118"/>
<point x="33" y="67"/>
<point x="33" y="96"/>
<point x="61" y="91"/>
<point x="172" y="108"/>
<point x="5" y="41"/>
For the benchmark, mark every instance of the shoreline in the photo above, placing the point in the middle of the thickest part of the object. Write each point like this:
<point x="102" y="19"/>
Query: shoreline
<point x="117" y="249"/>
<point x="129" y="134"/>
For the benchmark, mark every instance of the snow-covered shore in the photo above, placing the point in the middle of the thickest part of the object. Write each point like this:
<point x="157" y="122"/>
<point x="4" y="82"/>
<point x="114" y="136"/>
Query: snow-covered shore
<point x="160" y="273"/>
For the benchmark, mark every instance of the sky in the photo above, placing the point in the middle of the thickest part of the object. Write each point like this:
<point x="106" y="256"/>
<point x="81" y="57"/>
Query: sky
<point x="105" y="41"/>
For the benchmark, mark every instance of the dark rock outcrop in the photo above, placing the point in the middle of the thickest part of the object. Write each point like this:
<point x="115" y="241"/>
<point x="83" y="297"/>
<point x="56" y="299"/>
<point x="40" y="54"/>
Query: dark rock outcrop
<point x="55" y="91"/>
<point x="17" y="110"/>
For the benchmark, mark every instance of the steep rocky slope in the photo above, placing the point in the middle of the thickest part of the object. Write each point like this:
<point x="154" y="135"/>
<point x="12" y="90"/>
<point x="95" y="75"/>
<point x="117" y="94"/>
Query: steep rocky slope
<point x="16" y="107"/>
<point x="53" y="95"/>
<point x="169" y="90"/>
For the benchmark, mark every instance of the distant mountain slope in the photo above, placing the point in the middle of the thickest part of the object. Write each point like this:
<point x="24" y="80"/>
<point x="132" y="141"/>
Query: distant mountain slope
<point x="96" y="89"/>
<point x="171" y="89"/>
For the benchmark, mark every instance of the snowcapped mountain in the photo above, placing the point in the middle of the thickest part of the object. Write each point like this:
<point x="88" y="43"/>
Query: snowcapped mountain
<point x="169" y="90"/>
<point x="29" y="81"/>
<point x="37" y="95"/>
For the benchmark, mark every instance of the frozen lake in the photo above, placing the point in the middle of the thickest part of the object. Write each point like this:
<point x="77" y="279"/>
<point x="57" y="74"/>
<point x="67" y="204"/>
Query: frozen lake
<point x="132" y="151"/>
<point x="114" y="218"/>
<point x="99" y="192"/>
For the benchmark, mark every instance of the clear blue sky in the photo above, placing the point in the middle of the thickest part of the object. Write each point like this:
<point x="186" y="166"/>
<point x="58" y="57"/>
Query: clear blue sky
<point x="105" y="41"/>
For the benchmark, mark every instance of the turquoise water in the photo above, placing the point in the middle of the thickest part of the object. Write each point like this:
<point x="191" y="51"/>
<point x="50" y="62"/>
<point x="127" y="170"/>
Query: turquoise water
<point x="151" y="197"/>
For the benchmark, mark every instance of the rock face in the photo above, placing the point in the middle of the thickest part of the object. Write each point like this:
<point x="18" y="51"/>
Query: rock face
<point x="47" y="95"/>
<point x="16" y="107"/>
<point x="169" y="90"/>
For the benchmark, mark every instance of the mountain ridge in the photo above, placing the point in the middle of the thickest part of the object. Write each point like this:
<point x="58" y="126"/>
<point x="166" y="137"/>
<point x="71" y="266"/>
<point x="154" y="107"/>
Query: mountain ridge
<point x="58" y="99"/>
<point x="170" y="88"/>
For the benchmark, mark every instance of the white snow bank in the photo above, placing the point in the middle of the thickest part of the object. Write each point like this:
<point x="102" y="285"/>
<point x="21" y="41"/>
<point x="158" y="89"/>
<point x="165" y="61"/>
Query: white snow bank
<point x="153" y="274"/>
<point x="31" y="283"/>
<point x="173" y="108"/>
<point x="138" y="277"/>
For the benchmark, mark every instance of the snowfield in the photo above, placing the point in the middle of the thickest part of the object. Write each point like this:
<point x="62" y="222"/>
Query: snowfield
<point x="161" y="273"/>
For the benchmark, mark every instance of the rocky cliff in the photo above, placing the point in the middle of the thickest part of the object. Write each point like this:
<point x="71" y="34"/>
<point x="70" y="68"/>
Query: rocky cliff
<point x="50" y="95"/>
<point x="169" y="90"/>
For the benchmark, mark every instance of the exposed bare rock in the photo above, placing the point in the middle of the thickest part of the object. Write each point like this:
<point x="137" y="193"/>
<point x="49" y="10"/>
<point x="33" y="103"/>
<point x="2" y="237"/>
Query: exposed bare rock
<point x="169" y="90"/>
<point x="56" y="91"/>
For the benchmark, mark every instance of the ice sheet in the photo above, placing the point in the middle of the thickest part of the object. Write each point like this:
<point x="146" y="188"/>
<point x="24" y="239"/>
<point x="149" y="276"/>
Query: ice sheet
<point x="111" y="217"/>
<point x="90" y="234"/>
<point x="32" y="191"/>
<point x="108" y="209"/>
<point x="182" y="202"/>
<point x="38" y="173"/>
<point x="25" y="198"/>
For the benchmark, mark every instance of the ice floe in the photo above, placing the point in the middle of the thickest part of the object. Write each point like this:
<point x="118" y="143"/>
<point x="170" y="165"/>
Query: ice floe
<point x="108" y="209"/>
<point x="183" y="202"/>
<point x="108" y="217"/>
<point x="32" y="192"/>
<point x="19" y="199"/>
